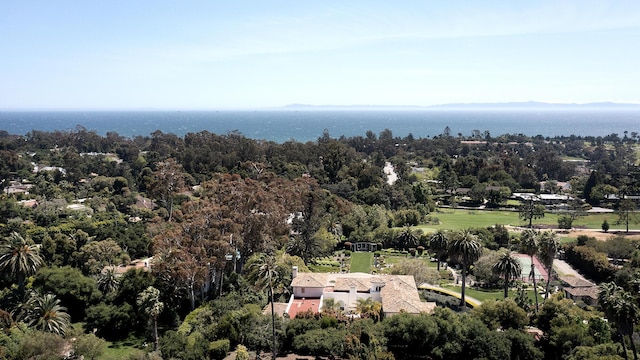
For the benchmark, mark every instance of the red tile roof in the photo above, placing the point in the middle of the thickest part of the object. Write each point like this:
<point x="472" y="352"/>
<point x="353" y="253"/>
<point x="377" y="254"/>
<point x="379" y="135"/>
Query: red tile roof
<point x="302" y="305"/>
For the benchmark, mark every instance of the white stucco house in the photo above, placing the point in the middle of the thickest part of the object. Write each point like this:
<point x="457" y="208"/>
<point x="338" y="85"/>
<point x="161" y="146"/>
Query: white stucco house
<point x="396" y="293"/>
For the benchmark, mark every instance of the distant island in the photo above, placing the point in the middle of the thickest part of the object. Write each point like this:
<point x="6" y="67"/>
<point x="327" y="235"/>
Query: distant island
<point x="526" y="105"/>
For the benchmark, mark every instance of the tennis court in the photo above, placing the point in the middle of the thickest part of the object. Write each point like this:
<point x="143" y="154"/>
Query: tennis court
<point x="525" y="262"/>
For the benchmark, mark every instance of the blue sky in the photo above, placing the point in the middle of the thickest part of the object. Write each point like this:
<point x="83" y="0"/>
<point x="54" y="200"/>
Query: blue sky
<point x="254" y="54"/>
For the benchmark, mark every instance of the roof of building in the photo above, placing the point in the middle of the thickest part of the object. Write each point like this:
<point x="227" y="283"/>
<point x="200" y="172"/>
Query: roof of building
<point x="398" y="305"/>
<point x="591" y="292"/>
<point x="576" y="282"/>
<point x="144" y="264"/>
<point x="303" y="305"/>
<point x="398" y="292"/>
<point x="310" y="280"/>
<point x="278" y="308"/>
<point x="29" y="203"/>
<point x="345" y="284"/>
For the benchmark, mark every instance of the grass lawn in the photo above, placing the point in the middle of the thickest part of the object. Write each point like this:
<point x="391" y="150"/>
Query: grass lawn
<point x="116" y="351"/>
<point x="396" y="257"/>
<point x="324" y="265"/>
<point x="477" y="294"/>
<point x="594" y="221"/>
<point x="361" y="262"/>
<point x="456" y="219"/>
<point x="485" y="295"/>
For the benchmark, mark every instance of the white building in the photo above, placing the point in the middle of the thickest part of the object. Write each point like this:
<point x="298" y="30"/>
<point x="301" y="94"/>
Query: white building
<point x="396" y="293"/>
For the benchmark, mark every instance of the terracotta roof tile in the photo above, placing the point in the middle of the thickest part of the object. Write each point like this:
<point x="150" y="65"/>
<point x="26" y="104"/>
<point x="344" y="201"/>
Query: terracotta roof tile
<point x="345" y="284"/>
<point x="575" y="282"/>
<point x="591" y="292"/>
<point x="310" y="280"/>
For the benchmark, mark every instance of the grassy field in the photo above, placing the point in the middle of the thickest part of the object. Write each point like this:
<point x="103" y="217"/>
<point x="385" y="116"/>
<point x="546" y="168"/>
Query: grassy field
<point x="122" y="350"/>
<point x="361" y="262"/>
<point x="325" y="265"/>
<point x="485" y="295"/>
<point x="394" y="257"/>
<point x="455" y="219"/>
<point x="121" y="353"/>
<point x="451" y="219"/>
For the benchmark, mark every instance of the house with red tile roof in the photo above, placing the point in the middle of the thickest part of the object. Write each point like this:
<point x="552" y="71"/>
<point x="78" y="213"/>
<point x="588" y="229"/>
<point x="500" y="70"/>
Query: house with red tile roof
<point x="579" y="289"/>
<point x="396" y="293"/>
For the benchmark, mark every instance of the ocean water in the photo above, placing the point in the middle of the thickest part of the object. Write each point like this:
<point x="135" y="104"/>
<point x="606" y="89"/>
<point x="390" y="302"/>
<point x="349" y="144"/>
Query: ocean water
<point x="309" y="125"/>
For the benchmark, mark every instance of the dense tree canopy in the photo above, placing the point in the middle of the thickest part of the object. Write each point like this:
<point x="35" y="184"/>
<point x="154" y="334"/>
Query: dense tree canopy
<point x="208" y="207"/>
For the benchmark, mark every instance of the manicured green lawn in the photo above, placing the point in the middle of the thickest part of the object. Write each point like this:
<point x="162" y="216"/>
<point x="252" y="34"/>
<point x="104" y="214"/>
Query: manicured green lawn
<point x="396" y="257"/>
<point x="476" y="294"/>
<point x="452" y="219"/>
<point x="594" y="221"/>
<point x="361" y="262"/>
<point x="484" y="295"/>
<point x="456" y="219"/>
<point x="324" y="265"/>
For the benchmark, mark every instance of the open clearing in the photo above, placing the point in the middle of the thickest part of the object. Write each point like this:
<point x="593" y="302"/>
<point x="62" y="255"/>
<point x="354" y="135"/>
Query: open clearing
<point x="455" y="219"/>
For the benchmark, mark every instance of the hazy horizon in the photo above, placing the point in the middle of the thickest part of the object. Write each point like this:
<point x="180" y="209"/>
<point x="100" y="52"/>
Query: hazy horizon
<point x="516" y="106"/>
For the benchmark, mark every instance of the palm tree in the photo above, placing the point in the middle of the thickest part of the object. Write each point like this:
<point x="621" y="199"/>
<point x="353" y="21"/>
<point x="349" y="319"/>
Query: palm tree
<point x="509" y="267"/>
<point x="467" y="249"/>
<point x="108" y="281"/>
<point x="548" y="246"/>
<point x="263" y="272"/>
<point x="529" y="246"/>
<point x="619" y="306"/>
<point x="19" y="259"/>
<point x="149" y="302"/>
<point x="45" y="313"/>
<point x="439" y="245"/>
<point x="407" y="238"/>
<point x="368" y="308"/>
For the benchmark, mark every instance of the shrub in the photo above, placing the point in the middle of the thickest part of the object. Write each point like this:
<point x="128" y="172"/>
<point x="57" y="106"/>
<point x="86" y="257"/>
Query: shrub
<point x="218" y="349"/>
<point x="592" y="263"/>
<point x="242" y="353"/>
<point x="565" y="222"/>
<point x="407" y="217"/>
<point x="446" y="275"/>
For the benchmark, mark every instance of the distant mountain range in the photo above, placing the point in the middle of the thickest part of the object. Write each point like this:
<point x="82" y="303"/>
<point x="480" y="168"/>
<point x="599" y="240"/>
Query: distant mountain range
<point x="529" y="105"/>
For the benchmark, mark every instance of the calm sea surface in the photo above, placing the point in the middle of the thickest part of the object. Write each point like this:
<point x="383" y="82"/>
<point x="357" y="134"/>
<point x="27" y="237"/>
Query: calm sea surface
<point x="308" y="125"/>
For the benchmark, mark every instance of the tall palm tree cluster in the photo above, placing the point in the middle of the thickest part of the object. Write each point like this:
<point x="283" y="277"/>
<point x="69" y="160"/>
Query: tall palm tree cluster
<point x="20" y="259"/>
<point x="619" y="306"/>
<point x="466" y="248"/>
<point x="544" y="246"/>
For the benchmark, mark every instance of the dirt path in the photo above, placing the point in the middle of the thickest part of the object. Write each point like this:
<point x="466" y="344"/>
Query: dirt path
<point x="596" y="233"/>
<point x="601" y="235"/>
